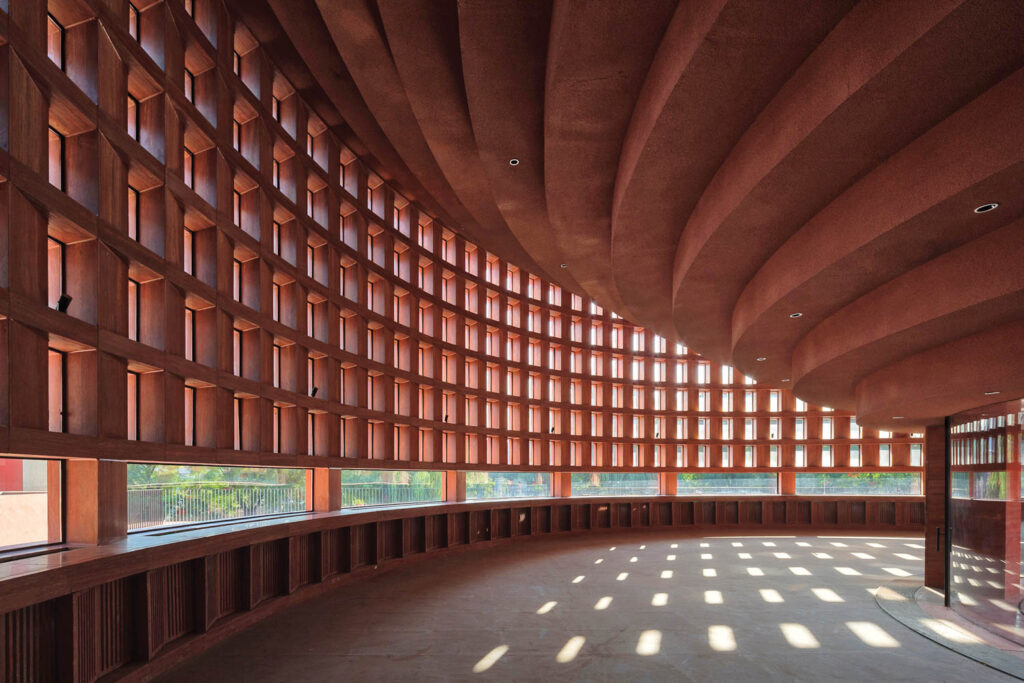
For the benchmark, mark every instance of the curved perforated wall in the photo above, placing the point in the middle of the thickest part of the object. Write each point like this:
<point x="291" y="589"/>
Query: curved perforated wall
<point x="245" y="289"/>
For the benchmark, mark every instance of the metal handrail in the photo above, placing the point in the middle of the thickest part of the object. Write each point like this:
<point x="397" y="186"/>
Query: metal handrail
<point x="160" y="505"/>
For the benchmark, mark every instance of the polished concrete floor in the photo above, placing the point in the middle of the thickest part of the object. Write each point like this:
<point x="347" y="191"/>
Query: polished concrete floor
<point x="623" y="606"/>
<point x="979" y="585"/>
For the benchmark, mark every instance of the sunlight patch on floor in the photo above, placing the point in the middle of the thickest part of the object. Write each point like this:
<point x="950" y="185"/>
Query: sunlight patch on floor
<point x="799" y="636"/>
<point x="571" y="648"/>
<point x="721" y="638"/>
<point x="547" y="607"/>
<point x="489" y="659"/>
<point x="871" y="634"/>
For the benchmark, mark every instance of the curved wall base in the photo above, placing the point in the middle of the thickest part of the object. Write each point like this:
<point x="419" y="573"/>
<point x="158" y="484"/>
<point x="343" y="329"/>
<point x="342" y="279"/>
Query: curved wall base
<point x="920" y="609"/>
<point x="132" y="609"/>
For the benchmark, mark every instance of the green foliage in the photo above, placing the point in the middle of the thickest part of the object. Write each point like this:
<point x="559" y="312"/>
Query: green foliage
<point x="710" y="482"/>
<point x="414" y="477"/>
<point x="482" y="485"/>
<point x="622" y="483"/>
<point x="140" y="474"/>
<point x="894" y="483"/>
<point x="991" y="485"/>
<point x="961" y="484"/>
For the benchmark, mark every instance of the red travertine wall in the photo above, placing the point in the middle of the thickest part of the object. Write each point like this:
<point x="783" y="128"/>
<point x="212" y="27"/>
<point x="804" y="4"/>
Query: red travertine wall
<point x="864" y="243"/>
<point x="246" y="290"/>
<point x="217" y="240"/>
<point x="935" y="507"/>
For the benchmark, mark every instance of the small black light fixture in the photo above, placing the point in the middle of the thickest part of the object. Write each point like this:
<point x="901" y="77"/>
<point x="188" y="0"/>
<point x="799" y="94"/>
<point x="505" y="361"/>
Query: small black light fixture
<point x="551" y="431"/>
<point x="446" y="418"/>
<point x="64" y="302"/>
<point x="513" y="162"/>
<point x="657" y="435"/>
<point x="563" y="265"/>
<point x="985" y="208"/>
<point x="315" y="389"/>
<point x="796" y="315"/>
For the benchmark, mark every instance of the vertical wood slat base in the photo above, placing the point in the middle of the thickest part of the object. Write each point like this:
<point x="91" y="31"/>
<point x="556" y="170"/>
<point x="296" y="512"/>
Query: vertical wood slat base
<point x="130" y="626"/>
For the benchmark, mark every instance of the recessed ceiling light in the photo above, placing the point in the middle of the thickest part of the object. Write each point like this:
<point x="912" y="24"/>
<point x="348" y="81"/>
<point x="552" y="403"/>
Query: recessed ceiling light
<point x="565" y="265"/>
<point x="761" y="359"/>
<point x="795" y="315"/>
<point x="513" y="162"/>
<point x="897" y="417"/>
<point x="786" y="380"/>
<point x="985" y="208"/>
<point x="991" y="393"/>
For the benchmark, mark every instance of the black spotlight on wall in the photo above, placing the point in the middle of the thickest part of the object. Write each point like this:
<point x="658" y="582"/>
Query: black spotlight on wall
<point x="445" y="418"/>
<point x="315" y="389"/>
<point x="63" y="302"/>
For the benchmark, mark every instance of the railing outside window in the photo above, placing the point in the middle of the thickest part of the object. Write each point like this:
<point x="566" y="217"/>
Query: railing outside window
<point x="167" y="504"/>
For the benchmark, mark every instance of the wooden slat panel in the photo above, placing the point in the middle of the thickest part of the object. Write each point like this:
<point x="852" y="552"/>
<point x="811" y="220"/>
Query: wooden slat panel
<point x="179" y="611"/>
<point x="231" y="583"/>
<point x="87" y="643"/>
<point x="27" y="643"/>
<point x="272" y="562"/>
<point x="305" y="559"/>
<point x="104" y="628"/>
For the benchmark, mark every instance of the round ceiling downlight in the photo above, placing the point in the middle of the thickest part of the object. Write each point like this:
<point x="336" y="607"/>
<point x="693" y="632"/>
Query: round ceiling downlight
<point x="985" y="208"/>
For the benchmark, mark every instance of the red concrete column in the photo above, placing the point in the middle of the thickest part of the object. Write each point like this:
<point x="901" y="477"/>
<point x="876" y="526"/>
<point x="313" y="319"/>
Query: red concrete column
<point x="667" y="483"/>
<point x="53" y="501"/>
<point x="787" y="483"/>
<point x="561" y="484"/>
<point x="454" y="486"/>
<point x="97" y="501"/>
<point x="935" y="507"/>
<point x="326" y="489"/>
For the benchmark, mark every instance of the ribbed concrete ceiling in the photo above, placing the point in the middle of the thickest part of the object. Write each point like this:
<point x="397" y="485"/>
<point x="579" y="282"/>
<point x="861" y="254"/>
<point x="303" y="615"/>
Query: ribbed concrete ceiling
<point x="710" y="168"/>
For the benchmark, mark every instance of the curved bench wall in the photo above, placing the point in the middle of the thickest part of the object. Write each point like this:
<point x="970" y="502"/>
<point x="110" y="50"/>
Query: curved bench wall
<point x="131" y="609"/>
